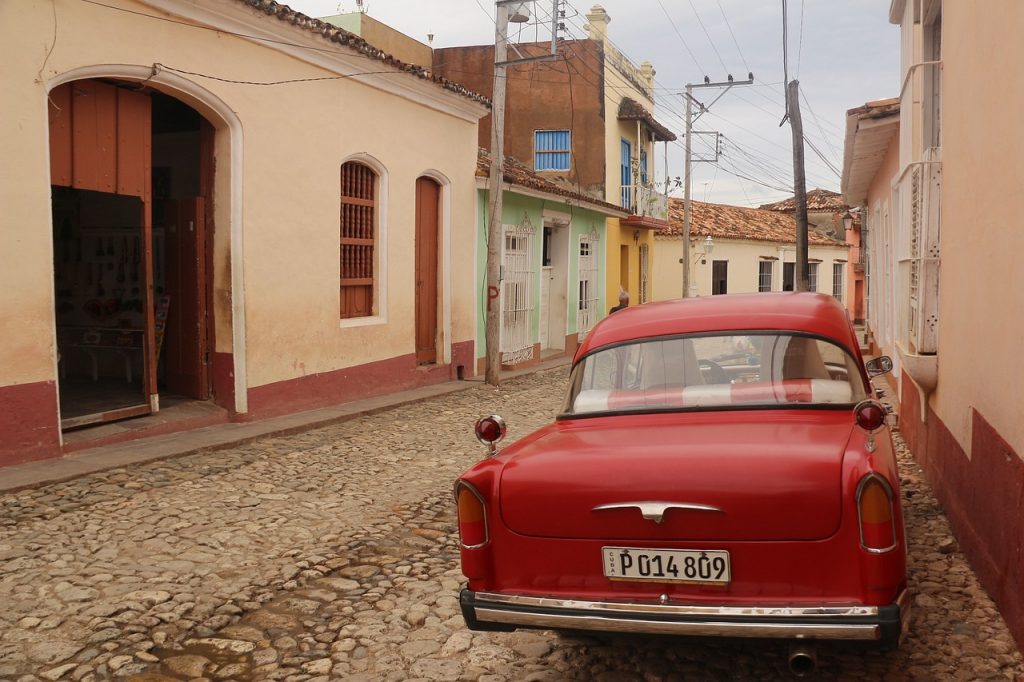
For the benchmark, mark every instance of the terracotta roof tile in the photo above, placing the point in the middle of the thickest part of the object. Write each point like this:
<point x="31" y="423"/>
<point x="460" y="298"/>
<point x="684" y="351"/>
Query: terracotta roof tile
<point x="736" y="222"/>
<point x="517" y="173"/>
<point x="817" y="200"/>
<point x="342" y="37"/>
<point x="631" y="110"/>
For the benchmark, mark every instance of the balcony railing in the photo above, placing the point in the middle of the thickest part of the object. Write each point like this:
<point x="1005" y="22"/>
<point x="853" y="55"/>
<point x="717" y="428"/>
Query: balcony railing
<point x="645" y="201"/>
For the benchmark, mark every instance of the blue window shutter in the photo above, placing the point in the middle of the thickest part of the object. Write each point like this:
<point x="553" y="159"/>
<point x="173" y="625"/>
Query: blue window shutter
<point x="643" y="166"/>
<point x="626" y="175"/>
<point x="552" y="150"/>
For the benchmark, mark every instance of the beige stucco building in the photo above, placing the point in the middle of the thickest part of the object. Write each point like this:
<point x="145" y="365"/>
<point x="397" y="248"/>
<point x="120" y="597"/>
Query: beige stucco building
<point x="828" y="213"/>
<point x="752" y="249"/>
<point x="224" y="202"/>
<point x="938" y="170"/>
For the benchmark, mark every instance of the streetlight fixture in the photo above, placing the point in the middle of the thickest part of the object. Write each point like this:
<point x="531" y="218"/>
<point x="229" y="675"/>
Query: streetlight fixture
<point x="848" y="220"/>
<point x="709" y="246"/>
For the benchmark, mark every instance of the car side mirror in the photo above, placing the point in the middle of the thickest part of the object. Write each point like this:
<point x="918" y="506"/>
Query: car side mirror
<point x="879" y="365"/>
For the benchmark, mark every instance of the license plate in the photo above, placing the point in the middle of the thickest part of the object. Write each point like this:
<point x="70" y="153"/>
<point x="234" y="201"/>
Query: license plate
<point x="703" y="567"/>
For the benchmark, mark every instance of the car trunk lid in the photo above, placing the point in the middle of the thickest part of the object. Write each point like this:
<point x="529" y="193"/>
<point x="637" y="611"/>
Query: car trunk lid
<point x="752" y="475"/>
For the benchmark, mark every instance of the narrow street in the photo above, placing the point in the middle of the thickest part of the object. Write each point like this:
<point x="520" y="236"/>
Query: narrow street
<point x="333" y="555"/>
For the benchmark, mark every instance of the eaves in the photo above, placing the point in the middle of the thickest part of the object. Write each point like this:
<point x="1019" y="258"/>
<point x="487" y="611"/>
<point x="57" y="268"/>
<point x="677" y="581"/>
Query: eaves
<point x="238" y="18"/>
<point x="604" y="209"/>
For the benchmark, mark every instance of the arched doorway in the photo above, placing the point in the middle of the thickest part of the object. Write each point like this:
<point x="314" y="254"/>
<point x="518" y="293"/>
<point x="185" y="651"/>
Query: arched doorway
<point x="132" y="201"/>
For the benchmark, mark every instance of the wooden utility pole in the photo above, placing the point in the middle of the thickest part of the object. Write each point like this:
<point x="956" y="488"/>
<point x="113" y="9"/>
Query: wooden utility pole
<point x="799" y="183"/>
<point x="492" y="331"/>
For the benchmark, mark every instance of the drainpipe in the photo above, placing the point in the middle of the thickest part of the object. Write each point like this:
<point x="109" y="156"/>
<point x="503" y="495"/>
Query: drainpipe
<point x="865" y="254"/>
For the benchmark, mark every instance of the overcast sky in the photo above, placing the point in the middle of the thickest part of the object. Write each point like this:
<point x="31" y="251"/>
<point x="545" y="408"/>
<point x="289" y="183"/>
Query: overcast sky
<point x="844" y="53"/>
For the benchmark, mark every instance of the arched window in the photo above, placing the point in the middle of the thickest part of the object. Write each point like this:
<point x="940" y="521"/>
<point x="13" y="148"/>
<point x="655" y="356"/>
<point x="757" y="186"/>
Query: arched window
<point x="358" y="239"/>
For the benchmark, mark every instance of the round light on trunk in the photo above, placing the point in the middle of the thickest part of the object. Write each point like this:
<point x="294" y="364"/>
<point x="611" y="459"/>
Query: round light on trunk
<point x="490" y="429"/>
<point x="870" y="415"/>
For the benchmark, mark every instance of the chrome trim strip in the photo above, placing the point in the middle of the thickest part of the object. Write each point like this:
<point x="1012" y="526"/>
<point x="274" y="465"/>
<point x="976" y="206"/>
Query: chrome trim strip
<point x="903" y="602"/>
<point x="655" y="511"/>
<point x="874" y="475"/>
<point x="612" y="608"/>
<point x="476" y="493"/>
<point x="851" y="631"/>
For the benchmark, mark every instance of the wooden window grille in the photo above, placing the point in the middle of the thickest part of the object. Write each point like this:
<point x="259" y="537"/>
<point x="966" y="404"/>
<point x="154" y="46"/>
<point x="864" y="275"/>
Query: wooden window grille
<point x="358" y="239"/>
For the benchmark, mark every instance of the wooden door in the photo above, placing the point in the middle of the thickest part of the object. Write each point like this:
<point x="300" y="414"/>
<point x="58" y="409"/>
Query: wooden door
<point x="184" y="345"/>
<point x="428" y="202"/>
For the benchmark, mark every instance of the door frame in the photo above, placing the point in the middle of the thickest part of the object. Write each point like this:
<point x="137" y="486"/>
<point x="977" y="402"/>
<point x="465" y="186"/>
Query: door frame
<point x="224" y="119"/>
<point x="426" y="298"/>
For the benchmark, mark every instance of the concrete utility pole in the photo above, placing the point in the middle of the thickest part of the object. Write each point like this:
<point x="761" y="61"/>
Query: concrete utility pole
<point x="687" y="207"/>
<point x="492" y="330"/>
<point x="799" y="183"/>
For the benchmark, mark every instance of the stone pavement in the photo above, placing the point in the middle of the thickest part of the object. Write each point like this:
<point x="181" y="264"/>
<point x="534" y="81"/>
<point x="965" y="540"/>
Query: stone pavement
<point x="332" y="554"/>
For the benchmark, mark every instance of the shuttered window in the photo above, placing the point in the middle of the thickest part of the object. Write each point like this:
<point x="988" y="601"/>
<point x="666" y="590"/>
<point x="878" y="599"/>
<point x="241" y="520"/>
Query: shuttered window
<point x="838" y="284"/>
<point x="358" y="239"/>
<point x="551" y="150"/>
<point x="764" y="275"/>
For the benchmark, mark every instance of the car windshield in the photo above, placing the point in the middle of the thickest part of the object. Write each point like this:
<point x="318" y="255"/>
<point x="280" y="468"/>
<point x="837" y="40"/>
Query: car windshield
<point x="726" y="370"/>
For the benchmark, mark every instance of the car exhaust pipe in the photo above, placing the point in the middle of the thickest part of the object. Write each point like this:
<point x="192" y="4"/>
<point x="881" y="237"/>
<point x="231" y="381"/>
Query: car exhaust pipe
<point x="803" y="659"/>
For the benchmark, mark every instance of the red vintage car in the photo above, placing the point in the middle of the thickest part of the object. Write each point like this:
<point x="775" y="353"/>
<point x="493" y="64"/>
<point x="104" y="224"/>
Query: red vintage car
<point x="720" y="469"/>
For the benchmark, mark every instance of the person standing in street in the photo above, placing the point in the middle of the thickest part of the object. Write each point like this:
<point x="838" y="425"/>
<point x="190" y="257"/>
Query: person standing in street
<point x="623" y="301"/>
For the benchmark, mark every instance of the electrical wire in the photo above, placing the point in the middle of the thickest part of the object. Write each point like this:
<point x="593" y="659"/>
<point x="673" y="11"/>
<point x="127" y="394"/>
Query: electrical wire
<point x="734" y="41"/>
<point x="800" y="42"/>
<point x="708" y="35"/>
<point x="681" y="38"/>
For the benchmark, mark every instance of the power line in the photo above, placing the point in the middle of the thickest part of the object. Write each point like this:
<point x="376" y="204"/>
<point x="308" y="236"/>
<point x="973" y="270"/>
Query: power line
<point x="681" y="38"/>
<point x="822" y="157"/>
<point x="730" y="167"/>
<point x="800" y="47"/>
<point x="713" y="47"/>
<point x="734" y="41"/>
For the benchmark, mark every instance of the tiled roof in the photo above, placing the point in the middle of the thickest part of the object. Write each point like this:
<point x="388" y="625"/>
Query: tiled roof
<point x="517" y="173"/>
<point x="817" y="200"/>
<point x="736" y="222"/>
<point x="342" y="37"/>
<point x="631" y="110"/>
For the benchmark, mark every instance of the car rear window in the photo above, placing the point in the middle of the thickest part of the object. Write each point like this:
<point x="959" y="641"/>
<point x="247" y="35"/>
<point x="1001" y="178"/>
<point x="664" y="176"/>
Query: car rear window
<point x="719" y="371"/>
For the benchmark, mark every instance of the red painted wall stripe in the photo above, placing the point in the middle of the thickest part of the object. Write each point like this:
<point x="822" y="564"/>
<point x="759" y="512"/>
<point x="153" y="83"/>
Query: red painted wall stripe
<point x="28" y="422"/>
<point x="983" y="498"/>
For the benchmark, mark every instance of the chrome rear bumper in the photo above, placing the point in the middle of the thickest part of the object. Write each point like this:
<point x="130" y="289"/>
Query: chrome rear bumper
<point x="882" y="624"/>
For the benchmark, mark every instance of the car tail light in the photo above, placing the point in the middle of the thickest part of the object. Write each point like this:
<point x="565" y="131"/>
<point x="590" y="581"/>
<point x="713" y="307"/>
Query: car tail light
<point x="875" y="512"/>
<point x="472" y="516"/>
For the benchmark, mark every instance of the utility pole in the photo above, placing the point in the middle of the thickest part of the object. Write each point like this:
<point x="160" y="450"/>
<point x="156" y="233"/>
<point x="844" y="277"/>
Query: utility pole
<point x="687" y="204"/>
<point x="799" y="183"/>
<point x="492" y="329"/>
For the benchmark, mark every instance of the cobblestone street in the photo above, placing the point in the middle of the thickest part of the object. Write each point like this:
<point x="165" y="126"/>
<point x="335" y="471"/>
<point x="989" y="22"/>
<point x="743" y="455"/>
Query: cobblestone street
<point x="333" y="555"/>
